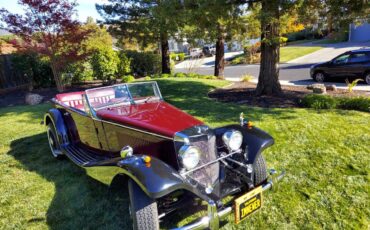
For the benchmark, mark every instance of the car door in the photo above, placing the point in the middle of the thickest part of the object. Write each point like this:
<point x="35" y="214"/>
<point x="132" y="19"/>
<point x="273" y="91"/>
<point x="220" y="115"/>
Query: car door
<point x="357" y="64"/>
<point x="85" y="127"/>
<point x="338" y="66"/>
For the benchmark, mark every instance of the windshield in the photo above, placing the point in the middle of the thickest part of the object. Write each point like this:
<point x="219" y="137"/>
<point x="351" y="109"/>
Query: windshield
<point x="123" y="94"/>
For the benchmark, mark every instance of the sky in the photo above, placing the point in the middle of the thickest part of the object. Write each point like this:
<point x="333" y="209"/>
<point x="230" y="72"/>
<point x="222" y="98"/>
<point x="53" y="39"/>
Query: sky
<point x="85" y="8"/>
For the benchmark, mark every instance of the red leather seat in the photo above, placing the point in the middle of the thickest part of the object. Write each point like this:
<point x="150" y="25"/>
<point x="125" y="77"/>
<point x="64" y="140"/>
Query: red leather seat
<point x="101" y="96"/>
<point x="73" y="99"/>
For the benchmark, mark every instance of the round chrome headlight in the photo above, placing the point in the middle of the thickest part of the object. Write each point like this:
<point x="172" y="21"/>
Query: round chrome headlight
<point x="233" y="139"/>
<point x="189" y="156"/>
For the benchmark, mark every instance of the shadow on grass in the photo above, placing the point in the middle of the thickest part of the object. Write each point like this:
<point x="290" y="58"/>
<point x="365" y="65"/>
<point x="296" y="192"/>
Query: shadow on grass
<point x="79" y="201"/>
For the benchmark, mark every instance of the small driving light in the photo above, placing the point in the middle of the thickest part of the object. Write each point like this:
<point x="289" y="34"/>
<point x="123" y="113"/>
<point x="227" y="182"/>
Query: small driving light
<point x="147" y="159"/>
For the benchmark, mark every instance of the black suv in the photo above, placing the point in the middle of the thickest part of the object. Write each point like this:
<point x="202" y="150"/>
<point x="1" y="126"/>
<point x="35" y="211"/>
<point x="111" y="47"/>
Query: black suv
<point x="355" y="63"/>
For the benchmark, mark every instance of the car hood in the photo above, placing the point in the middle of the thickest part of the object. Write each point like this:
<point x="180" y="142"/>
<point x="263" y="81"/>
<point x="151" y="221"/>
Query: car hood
<point x="157" y="117"/>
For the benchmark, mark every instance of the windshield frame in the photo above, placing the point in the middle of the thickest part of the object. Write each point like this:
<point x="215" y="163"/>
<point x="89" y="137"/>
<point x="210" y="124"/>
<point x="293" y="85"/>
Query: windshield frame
<point x="131" y="101"/>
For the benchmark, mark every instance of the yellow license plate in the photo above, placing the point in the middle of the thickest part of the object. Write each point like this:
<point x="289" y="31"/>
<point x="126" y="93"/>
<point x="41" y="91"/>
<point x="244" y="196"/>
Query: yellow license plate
<point x="248" y="204"/>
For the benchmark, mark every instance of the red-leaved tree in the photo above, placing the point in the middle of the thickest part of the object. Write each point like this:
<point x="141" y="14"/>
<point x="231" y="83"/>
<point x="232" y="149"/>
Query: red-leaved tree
<point x="48" y="28"/>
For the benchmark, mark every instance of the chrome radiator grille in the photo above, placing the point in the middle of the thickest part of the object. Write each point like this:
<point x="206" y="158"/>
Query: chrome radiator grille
<point x="209" y="174"/>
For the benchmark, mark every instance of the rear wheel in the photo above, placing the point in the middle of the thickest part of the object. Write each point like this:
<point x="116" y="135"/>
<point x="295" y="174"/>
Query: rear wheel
<point x="319" y="77"/>
<point x="259" y="169"/>
<point x="143" y="209"/>
<point x="367" y="78"/>
<point x="53" y="141"/>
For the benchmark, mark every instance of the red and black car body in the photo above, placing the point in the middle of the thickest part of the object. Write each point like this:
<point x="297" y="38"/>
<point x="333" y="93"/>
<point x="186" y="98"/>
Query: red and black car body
<point x="126" y="128"/>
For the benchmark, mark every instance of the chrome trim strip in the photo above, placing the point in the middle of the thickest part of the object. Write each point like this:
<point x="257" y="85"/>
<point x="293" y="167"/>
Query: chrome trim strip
<point x="139" y="130"/>
<point x="211" y="162"/>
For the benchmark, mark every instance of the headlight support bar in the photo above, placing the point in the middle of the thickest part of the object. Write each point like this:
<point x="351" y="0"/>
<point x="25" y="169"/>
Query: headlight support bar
<point x="212" y="220"/>
<point x="209" y="163"/>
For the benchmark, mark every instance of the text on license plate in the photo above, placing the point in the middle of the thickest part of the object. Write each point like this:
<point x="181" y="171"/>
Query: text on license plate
<point x="248" y="204"/>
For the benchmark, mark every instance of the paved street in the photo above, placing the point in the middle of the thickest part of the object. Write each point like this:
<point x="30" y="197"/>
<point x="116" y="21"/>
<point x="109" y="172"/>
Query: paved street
<point x="295" y="72"/>
<point x="290" y="72"/>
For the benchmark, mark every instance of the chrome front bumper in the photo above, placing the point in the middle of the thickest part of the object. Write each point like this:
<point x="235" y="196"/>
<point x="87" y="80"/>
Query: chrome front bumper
<point x="212" y="220"/>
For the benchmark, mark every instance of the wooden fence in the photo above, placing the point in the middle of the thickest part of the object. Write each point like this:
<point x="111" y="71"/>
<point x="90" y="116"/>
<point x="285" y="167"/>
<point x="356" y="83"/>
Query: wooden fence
<point x="10" y="78"/>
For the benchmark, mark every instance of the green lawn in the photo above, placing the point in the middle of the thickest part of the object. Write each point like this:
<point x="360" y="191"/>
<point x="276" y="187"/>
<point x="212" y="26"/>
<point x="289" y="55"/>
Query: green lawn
<point x="288" y="53"/>
<point x="326" y="156"/>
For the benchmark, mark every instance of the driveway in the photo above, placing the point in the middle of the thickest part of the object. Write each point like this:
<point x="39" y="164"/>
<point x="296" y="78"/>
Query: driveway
<point x="296" y="72"/>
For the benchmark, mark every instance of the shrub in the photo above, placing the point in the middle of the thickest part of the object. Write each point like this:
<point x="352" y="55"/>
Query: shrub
<point x="319" y="102"/>
<point x="355" y="103"/>
<point x="80" y="71"/>
<point x="165" y="75"/>
<point x="340" y="36"/>
<point x="124" y="65"/>
<point x="211" y="77"/>
<point x="328" y="102"/>
<point x="192" y="75"/>
<point x="148" y="78"/>
<point x="247" y="78"/>
<point x="184" y="75"/>
<point x="251" y="53"/>
<point x="238" y="60"/>
<point x="156" y="75"/>
<point x="177" y="56"/>
<point x="128" y="78"/>
<point x="36" y="68"/>
<point x="180" y="75"/>
<point x="144" y="63"/>
<point x="283" y="41"/>
<point x="105" y="64"/>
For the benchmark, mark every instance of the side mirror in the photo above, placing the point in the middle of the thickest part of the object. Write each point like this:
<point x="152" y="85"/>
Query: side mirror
<point x="126" y="151"/>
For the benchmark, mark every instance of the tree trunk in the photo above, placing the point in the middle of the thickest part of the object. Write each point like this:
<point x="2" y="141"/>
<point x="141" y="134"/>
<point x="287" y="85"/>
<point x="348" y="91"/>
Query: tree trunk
<point x="268" y="80"/>
<point x="330" y="22"/>
<point x="165" y="52"/>
<point x="57" y="76"/>
<point x="220" y="54"/>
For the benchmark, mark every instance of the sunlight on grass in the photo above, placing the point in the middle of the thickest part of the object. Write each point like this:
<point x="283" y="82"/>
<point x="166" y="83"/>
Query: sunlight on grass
<point x="325" y="153"/>
<point x="289" y="53"/>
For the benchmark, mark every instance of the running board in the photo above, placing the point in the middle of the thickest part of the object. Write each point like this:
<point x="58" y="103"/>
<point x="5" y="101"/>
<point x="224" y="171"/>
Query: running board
<point x="82" y="156"/>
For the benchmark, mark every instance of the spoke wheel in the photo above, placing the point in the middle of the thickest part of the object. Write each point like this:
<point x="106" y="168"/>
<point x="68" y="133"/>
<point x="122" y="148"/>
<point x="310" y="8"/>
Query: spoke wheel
<point x="319" y="77"/>
<point x="367" y="78"/>
<point x="53" y="141"/>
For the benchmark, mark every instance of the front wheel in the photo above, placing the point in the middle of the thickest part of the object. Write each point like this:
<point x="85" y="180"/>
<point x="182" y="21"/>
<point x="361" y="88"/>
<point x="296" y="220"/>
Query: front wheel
<point x="260" y="171"/>
<point x="367" y="78"/>
<point x="319" y="77"/>
<point x="143" y="209"/>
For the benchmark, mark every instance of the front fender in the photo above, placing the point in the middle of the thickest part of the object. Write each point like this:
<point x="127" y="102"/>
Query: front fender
<point x="255" y="140"/>
<point x="156" y="179"/>
<point x="55" y="116"/>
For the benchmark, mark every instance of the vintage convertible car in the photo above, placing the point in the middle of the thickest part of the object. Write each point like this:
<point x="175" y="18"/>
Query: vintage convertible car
<point x="167" y="155"/>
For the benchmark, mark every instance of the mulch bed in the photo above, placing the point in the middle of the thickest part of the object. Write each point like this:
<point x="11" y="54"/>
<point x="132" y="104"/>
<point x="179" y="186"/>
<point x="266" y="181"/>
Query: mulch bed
<point x="243" y="93"/>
